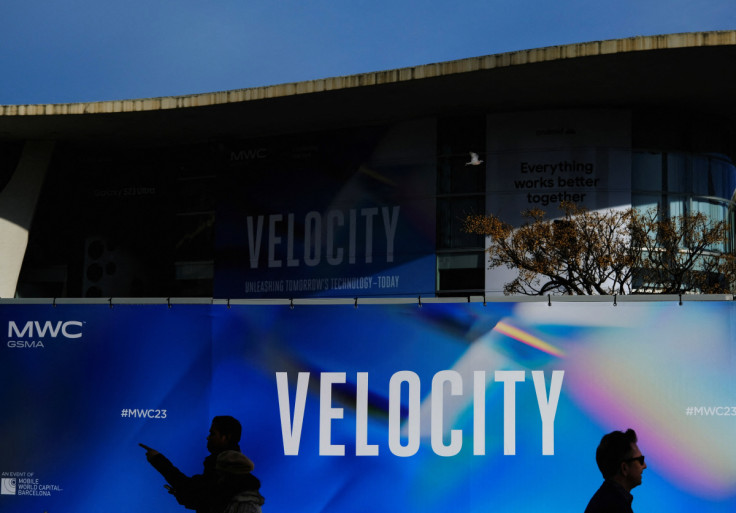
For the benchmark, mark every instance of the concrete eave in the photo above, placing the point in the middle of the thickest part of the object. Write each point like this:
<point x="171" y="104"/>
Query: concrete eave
<point x="488" y="82"/>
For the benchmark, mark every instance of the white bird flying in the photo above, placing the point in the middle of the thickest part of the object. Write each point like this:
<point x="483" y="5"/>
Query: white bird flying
<point x="474" y="160"/>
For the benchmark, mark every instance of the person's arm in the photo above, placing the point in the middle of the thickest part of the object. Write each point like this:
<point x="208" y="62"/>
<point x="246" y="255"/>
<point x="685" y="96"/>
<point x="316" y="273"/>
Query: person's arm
<point x="191" y="492"/>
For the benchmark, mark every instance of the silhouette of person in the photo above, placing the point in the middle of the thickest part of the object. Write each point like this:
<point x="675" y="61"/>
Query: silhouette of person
<point x="621" y="463"/>
<point x="234" y="470"/>
<point x="226" y="474"/>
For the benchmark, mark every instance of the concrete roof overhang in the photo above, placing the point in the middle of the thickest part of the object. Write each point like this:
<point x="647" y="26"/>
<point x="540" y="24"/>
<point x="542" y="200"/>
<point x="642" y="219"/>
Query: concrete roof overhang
<point x="691" y="72"/>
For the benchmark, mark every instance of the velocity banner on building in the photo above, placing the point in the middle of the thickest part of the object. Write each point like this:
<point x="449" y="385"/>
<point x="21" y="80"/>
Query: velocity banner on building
<point x="396" y="407"/>
<point x="336" y="214"/>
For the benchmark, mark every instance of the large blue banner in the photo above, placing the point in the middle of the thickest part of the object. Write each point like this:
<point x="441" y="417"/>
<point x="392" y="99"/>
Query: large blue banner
<point x="397" y="407"/>
<point x="70" y="375"/>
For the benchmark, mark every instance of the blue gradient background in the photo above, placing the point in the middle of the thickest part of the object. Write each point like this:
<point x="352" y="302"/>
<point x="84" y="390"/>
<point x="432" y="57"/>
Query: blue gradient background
<point x="638" y="364"/>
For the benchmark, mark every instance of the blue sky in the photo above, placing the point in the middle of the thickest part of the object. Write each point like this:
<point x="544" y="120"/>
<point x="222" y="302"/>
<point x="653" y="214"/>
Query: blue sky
<point x="54" y="51"/>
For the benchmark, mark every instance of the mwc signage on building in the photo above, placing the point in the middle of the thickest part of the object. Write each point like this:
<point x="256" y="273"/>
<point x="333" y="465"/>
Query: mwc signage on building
<point x="393" y="407"/>
<point x="346" y="214"/>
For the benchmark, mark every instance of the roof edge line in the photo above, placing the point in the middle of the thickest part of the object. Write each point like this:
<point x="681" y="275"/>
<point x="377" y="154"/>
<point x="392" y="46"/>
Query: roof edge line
<point x="419" y="72"/>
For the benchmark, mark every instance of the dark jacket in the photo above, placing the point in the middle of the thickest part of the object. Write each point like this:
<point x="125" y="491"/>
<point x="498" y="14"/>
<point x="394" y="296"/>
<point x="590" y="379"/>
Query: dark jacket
<point x="206" y="492"/>
<point x="611" y="497"/>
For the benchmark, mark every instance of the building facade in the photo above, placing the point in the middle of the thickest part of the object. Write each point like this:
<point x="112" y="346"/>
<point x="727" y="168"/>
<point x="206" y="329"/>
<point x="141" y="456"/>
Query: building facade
<point x="357" y="186"/>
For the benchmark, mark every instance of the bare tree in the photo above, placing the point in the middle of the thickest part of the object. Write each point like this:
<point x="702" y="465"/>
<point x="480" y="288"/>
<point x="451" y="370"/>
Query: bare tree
<point x="609" y="252"/>
<point x="684" y="253"/>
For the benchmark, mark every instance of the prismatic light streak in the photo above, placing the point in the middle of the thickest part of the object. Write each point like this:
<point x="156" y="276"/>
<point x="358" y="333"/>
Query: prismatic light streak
<point x="528" y="339"/>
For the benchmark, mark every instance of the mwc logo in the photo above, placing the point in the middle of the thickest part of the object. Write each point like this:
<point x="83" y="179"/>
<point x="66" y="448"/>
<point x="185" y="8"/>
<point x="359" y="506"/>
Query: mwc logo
<point x="32" y="333"/>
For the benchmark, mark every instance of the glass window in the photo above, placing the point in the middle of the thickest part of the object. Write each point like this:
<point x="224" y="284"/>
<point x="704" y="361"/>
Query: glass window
<point x="455" y="177"/>
<point x="724" y="178"/>
<point x="646" y="170"/>
<point x="702" y="180"/>
<point x="461" y="192"/>
<point x="677" y="205"/>
<point x="461" y="273"/>
<point x="643" y="202"/>
<point x="692" y="183"/>
<point x="457" y="138"/>
<point x="451" y="214"/>
<point x="677" y="171"/>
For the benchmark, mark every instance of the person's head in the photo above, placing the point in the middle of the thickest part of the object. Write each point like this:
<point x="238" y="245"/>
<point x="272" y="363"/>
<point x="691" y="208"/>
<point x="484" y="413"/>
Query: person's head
<point x="619" y="458"/>
<point x="224" y="434"/>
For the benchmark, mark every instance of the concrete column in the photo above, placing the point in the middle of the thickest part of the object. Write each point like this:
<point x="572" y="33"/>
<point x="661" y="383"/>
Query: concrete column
<point x="17" y="205"/>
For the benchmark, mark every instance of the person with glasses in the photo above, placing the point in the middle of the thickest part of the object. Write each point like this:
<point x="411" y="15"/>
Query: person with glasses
<point x="622" y="464"/>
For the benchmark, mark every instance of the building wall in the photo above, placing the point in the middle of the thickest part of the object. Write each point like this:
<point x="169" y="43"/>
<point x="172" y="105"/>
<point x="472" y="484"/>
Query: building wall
<point x="288" y="215"/>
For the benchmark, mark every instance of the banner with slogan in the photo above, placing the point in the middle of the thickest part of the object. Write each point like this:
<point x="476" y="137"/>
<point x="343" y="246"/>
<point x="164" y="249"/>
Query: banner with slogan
<point x="334" y="214"/>
<point x="398" y="407"/>
<point x="540" y="159"/>
<point x="537" y="160"/>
